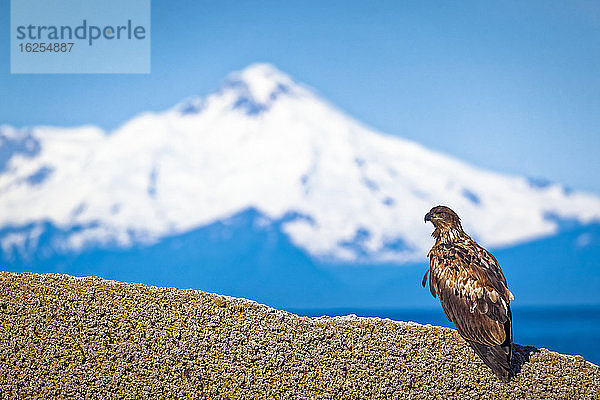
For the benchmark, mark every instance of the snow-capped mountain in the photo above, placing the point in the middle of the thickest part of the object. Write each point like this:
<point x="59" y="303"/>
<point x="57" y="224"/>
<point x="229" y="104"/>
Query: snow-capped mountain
<point x="341" y="190"/>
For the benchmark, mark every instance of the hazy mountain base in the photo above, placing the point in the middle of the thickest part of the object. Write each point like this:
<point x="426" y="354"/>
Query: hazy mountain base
<point x="239" y="256"/>
<point x="86" y="337"/>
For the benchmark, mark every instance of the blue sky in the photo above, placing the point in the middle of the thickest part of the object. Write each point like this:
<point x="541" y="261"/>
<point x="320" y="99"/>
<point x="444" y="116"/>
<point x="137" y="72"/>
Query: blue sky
<point x="512" y="86"/>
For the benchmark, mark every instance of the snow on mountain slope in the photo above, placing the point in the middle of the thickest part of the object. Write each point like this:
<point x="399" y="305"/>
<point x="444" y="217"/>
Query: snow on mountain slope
<point x="266" y="142"/>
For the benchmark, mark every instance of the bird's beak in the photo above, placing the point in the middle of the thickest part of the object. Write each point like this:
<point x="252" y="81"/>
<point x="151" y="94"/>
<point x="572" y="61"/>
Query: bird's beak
<point x="427" y="217"/>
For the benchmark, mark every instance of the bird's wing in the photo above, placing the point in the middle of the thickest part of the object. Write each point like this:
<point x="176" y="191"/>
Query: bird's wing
<point x="472" y="290"/>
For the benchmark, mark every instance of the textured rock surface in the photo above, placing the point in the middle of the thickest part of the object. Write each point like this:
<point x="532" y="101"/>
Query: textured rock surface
<point x="86" y="337"/>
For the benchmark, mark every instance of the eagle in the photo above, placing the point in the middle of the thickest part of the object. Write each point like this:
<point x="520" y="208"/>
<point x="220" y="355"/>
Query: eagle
<point x="472" y="290"/>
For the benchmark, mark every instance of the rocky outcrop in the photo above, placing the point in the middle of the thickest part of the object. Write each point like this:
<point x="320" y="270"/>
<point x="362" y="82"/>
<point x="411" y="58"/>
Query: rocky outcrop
<point x="62" y="336"/>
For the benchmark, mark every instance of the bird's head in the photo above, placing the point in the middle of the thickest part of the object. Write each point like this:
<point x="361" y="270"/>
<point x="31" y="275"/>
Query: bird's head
<point x="443" y="219"/>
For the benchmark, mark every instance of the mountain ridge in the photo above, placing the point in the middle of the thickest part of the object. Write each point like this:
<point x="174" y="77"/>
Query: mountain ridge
<point x="265" y="142"/>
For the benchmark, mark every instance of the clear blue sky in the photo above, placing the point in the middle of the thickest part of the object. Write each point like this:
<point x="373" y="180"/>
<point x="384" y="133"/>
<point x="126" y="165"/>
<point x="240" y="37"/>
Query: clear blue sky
<point x="509" y="85"/>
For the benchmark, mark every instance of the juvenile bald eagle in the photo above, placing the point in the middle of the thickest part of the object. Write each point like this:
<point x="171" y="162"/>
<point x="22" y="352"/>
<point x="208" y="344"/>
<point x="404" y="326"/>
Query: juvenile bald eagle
<point x="472" y="290"/>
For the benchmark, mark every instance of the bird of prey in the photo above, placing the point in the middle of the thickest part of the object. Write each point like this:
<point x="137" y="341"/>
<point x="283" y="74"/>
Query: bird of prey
<point x="472" y="289"/>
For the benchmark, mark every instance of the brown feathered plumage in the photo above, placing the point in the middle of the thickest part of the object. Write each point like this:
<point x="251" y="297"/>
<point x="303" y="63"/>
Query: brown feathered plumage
<point x="472" y="289"/>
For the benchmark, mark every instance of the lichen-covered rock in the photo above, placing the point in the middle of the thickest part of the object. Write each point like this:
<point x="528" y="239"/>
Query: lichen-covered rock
<point x="86" y="337"/>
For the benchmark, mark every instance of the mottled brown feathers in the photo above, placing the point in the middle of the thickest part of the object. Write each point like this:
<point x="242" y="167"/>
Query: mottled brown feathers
<point x="472" y="290"/>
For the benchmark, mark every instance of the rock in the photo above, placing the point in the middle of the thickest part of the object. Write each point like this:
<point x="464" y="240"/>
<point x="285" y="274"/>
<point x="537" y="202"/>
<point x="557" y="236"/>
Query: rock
<point x="62" y="336"/>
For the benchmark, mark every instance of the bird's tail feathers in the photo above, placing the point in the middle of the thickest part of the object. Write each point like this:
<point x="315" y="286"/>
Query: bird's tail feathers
<point x="496" y="357"/>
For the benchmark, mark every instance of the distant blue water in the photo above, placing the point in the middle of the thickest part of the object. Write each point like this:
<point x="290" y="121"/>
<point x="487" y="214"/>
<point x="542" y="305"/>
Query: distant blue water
<point x="568" y="330"/>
